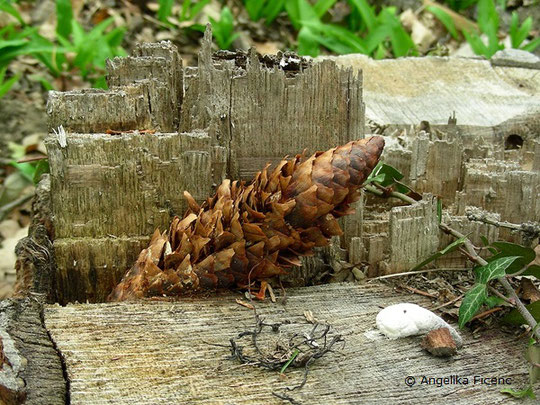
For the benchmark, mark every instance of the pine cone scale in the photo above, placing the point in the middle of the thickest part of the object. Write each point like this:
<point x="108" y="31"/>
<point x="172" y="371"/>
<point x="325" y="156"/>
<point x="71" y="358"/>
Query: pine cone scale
<point x="246" y="234"/>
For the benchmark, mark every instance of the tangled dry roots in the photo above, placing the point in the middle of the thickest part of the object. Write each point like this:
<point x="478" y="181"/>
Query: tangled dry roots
<point x="246" y="234"/>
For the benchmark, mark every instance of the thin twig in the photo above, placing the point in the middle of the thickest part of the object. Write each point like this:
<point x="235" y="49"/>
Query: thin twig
<point x="531" y="230"/>
<point x="486" y="313"/>
<point x="501" y="296"/>
<point x="394" y="194"/>
<point x="447" y="303"/>
<point x="409" y="273"/>
<point x="417" y="291"/>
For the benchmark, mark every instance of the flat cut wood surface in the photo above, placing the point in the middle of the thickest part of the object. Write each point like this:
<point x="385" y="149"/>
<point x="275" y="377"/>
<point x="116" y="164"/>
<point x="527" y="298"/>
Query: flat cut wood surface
<point x="405" y="91"/>
<point x="164" y="353"/>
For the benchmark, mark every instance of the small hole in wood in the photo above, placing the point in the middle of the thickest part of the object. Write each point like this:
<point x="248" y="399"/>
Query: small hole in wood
<point x="513" y="142"/>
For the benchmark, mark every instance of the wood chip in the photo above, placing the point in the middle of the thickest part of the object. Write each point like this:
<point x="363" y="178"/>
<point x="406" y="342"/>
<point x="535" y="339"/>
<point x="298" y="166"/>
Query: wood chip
<point x="244" y="304"/>
<point x="439" y="343"/>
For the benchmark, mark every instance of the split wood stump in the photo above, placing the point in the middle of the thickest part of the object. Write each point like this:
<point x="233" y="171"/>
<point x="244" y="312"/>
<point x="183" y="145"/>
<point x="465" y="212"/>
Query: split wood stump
<point x="161" y="129"/>
<point x="128" y="153"/>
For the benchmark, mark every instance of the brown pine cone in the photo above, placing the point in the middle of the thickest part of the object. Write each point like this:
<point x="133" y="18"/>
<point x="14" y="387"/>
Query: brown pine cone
<point x="246" y="234"/>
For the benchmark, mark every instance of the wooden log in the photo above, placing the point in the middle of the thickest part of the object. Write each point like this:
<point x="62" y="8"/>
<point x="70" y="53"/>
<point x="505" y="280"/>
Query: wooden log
<point x="31" y="372"/>
<point x="263" y="113"/>
<point x="501" y="187"/>
<point x="177" y="352"/>
<point x="117" y="189"/>
<point x="94" y="110"/>
<point x="436" y="166"/>
<point x="397" y="240"/>
<point x="160" y="65"/>
<point x="413" y="234"/>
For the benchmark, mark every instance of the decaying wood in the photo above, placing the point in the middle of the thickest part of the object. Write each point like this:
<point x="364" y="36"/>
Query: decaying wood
<point x="36" y="268"/>
<point x="439" y="343"/>
<point x="118" y="188"/>
<point x="179" y="352"/>
<point x="235" y="112"/>
<point x="31" y="372"/>
<point x="396" y="240"/>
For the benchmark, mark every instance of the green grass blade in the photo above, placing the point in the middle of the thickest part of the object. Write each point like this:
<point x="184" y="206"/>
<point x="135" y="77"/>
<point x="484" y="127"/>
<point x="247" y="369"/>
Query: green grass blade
<point x="531" y="46"/>
<point x="6" y="86"/>
<point x="165" y="10"/>
<point x="322" y="6"/>
<point x="367" y="13"/>
<point x="295" y="353"/>
<point x="64" y="16"/>
<point x="8" y="8"/>
<point x="272" y="10"/>
<point x="445" y="19"/>
<point x="254" y="9"/>
<point x="308" y="43"/>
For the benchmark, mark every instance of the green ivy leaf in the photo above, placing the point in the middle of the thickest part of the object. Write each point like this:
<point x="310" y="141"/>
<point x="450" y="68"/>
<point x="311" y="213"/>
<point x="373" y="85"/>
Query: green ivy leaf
<point x="515" y="318"/>
<point x="495" y="269"/>
<point x="533" y="270"/>
<point x="471" y="303"/>
<point x="507" y="249"/>
<point x="384" y="174"/>
<point x="493" y="301"/>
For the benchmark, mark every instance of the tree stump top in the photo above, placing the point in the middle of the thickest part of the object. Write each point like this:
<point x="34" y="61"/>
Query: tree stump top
<point x="168" y="352"/>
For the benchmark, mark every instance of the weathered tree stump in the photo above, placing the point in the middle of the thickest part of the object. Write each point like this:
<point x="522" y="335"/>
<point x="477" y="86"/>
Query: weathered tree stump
<point x="165" y="352"/>
<point x="161" y="129"/>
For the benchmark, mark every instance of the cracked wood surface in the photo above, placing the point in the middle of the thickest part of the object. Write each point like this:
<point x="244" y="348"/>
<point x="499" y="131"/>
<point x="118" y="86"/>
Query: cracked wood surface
<point x="30" y="367"/>
<point x="163" y="352"/>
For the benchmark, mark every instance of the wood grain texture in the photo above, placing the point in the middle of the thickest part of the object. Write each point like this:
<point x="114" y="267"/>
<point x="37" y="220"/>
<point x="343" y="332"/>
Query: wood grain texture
<point x="125" y="184"/>
<point x="502" y="187"/>
<point x="406" y="91"/>
<point x="32" y="371"/>
<point x="262" y="114"/>
<point x="95" y="110"/>
<point x="164" y="352"/>
<point x="35" y="265"/>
